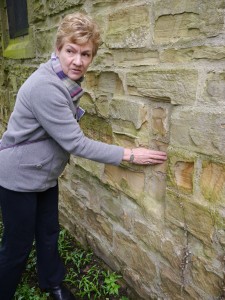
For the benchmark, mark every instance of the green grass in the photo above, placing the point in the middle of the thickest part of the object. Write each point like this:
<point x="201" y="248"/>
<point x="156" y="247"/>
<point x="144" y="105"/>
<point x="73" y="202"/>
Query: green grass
<point x="87" y="277"/>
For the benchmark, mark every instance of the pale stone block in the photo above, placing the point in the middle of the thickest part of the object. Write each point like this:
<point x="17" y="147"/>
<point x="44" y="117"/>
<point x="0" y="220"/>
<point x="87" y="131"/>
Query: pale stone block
<point x="193" y="217"/>
<point x="130" y="254"/>
<point x="103" y="83"/>
<point x="172" y="28"/>
<point x="127" y="135"/>
<point x="215" y="90"/>
<point x="150" y="234"/>
<point x="158" y="121"/>
<point x="187" y="20"/>
<point x="132" y="58"/>
<point x="69" y="204"/>
<point x="175" y="86"/>
<point x="120" y="209"/>
<point x="102" y="106"/>
<point x="206" y="278"/>
<point x="202" y="132"/>
<point x="129" y="27"/>
<point x="127" y="110"/>
<point x="193" y="54"/>
<point x="129" y="182"/>
<point x="104" y="59"/>
<point x="103" y="251"/>
<point x="100" y="226"/>
<point x="156" y="189"/>
<point x="212" y="181"/>
<point x="171" y="283"/>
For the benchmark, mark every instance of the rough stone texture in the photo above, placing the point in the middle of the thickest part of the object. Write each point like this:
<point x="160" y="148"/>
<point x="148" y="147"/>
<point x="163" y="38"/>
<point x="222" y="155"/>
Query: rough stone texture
<point x="158" y="81"/>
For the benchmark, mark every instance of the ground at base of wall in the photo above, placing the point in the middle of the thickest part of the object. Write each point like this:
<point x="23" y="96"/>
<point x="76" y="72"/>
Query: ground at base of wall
<point x="87" y="276"/>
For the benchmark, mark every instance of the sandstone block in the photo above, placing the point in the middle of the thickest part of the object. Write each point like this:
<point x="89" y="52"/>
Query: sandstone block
<point x="206" y="278"/>
<point x="193" y="217"/>
<point x="45" y="39"/>
<point x="97" y="128"/>
<point x="131" y="111"/>
<point x="127" y="135"/>
<point x="130" y="254"/>
<point x="58" y="6"/>
<point x="105" y="83"/>
<point x="175" y="86"/>
<point x="132" y="58"/>
<point x="69" y="205"/>
<point x="187" y="20"/>
<point x="37" y="11"/>
<point x="201" y="132"/>
<point x="129" y="182"/>
<point x="212" y="181"/>
<point x="180" y="173"/>
<point x="199" y="53"/>
<point x="120" y="209"/>
<point x="129" y="27"/>
<point x="100" y="226"/>
<point x="215" y="89"/>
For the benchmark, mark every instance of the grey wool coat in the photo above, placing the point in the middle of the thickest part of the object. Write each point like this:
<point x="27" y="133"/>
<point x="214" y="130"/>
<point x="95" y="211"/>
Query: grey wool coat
<point x="44" y="112"/>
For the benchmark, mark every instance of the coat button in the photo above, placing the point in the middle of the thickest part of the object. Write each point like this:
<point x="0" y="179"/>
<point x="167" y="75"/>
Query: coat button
<point x="39" y="166"/>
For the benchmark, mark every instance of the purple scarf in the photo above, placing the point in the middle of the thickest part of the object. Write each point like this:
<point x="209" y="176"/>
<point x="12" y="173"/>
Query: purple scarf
<point x="73" y="87"/>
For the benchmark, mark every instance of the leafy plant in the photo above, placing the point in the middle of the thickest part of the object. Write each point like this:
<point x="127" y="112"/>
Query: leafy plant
<point x="110" y="286"/>
<point x="25" y="292"/>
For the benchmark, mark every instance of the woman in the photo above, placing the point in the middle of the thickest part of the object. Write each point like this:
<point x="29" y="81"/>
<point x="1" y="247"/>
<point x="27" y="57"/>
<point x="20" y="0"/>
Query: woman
<point x="42" y="132"/>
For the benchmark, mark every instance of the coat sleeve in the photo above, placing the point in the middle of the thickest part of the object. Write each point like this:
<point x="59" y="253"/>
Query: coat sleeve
<point x="50" y="106"/>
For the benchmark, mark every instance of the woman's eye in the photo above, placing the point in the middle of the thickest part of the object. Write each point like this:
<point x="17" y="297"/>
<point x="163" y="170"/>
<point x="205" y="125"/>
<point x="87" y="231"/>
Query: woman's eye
<point x="86" y="54"/>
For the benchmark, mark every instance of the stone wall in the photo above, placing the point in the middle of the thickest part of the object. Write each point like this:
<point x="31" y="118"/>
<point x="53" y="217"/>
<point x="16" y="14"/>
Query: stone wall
<point x="158" y="81"/>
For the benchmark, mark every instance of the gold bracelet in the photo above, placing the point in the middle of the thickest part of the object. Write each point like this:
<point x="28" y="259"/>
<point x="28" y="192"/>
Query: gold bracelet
<point x="131" y="160"/>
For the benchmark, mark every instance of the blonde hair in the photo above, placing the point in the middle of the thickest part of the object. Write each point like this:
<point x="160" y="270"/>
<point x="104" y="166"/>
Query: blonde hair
<point x="78" y="28"/>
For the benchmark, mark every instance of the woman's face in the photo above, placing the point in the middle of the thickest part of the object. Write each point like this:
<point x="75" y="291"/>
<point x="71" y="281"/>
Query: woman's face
<point x="75" y="59"/>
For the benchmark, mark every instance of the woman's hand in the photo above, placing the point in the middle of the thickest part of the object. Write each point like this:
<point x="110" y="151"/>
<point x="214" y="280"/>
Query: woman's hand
<point x="143" y="156"/>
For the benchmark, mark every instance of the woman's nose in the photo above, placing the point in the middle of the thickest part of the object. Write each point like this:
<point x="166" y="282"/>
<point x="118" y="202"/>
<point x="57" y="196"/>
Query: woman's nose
<point x="77" y="60"/>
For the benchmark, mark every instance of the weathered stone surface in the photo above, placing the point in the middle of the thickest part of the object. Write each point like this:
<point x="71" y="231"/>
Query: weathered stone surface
<point x="100" y="226"/>
<point x="213" y="181"/>
<point x="136" y="57"/>
<point x="200" y="53"/>
<point x="107" y="83"/>
<point x="187" y="20"/>
<point x="201" y="132"/>
<point x="184" y="175"/>
<point x="193" y="217"/>
<point x="158" y="121"/>
<point x="57" y="6"/>
<point x="131" y="255"/>
<point x="175" y="86"/>
<point x="45" y="39"/>
<point x="129" y="28"/>
<point x="97" y="128"/>
<point x="37" y="10"/>
<point x="215" y="89"/>
<point x="134" y="112"/>
<point x="131" y="183"/>
<point x="206" y="278"/>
